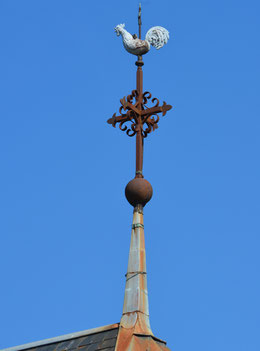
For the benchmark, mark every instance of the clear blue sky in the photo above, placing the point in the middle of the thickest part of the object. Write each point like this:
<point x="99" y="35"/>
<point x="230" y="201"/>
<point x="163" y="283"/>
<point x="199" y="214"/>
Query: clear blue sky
<point x="65" y="224"/>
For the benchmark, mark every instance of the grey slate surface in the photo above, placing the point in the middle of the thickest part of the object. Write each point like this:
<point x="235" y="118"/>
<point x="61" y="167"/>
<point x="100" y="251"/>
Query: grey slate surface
<point x="103" y="340"/>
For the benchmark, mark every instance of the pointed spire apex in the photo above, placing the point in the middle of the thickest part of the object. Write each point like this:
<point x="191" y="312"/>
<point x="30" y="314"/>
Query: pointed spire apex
<point x="134" y="330"/>
<point x="136" y="310"/>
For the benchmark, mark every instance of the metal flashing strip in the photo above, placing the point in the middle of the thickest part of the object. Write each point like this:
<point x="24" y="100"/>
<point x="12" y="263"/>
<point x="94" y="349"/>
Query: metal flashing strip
<point x="137" y="225"/>
<point x="150" y="336"/>
<point x="138" y="172"/>
<point x="62" y="338"/>
<point x="134" y="274"/>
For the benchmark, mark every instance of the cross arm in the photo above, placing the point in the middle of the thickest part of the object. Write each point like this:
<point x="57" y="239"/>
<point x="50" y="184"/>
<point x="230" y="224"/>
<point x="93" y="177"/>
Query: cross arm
<point x="115" y="119"/>
<point x="157" y="109"/>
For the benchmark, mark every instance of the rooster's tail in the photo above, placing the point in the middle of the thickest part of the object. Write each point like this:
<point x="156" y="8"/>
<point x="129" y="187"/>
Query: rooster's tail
<point x="157" y="36"/>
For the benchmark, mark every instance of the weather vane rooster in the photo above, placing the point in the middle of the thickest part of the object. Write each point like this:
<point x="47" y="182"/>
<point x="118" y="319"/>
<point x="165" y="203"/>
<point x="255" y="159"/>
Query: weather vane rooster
<point x="156" y="36"/>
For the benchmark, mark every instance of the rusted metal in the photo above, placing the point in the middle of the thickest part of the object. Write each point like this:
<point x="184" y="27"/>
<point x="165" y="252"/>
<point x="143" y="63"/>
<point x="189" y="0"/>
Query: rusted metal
<point x="143" y="119"/>
<point x="129" y="112"/>
<point x="138" y="191"/>
<point x="138" y="342"/>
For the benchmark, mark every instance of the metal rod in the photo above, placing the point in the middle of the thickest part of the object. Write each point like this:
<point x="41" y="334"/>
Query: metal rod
<point x="139" y="88"/>
<point x="139" y="20"/>
<point x="139" y="137"/>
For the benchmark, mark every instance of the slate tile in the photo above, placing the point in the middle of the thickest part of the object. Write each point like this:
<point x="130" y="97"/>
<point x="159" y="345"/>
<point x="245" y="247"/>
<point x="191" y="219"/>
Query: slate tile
<point x="110" y="334"/>
<point x="92" y="339"/>
<point x="74" y="343"/>
<point x="62" y="345"/>
<point x="90" y="347"/>
<point x="48" y="347"/>
<point x="107" y="343"/>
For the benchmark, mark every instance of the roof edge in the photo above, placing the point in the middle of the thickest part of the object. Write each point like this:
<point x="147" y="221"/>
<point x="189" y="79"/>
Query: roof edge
<point x="62" y="338"/>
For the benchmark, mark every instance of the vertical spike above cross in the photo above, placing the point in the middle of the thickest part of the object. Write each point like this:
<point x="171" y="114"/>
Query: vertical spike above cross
<point x="140" y="21"/>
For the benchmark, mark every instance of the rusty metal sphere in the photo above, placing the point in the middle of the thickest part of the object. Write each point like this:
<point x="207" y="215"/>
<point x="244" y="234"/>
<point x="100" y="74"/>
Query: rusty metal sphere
<point x="138" y="191"/>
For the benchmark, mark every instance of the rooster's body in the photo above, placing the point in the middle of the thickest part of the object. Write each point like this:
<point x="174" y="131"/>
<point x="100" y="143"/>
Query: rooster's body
<point x="156" y="36"/>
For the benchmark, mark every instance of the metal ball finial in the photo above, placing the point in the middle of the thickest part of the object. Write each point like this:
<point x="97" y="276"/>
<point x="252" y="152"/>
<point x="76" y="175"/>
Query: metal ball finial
<point x="138" y="192"/>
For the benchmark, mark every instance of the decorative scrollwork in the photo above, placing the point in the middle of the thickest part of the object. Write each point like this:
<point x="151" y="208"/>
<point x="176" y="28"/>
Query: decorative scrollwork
<point x="131" y="132"/>
<point x="146" y="96"/>
<point x="137" y="112"/>
<point x="133" y="95"/>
